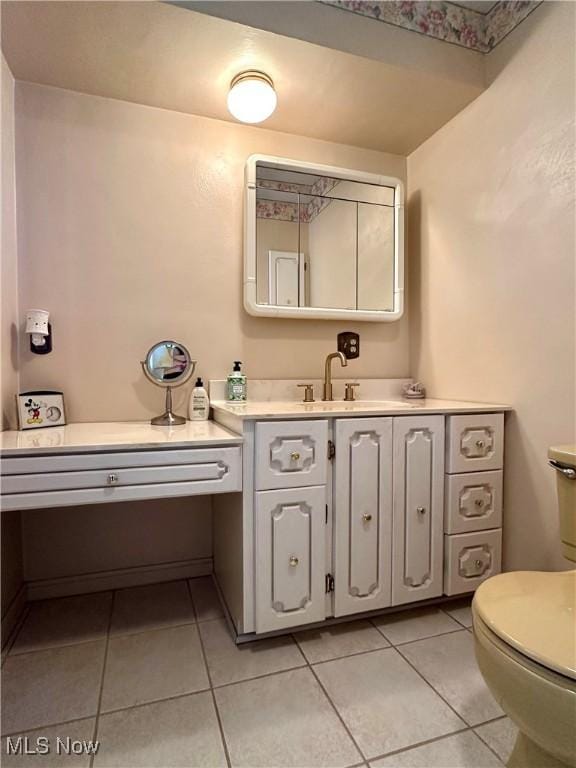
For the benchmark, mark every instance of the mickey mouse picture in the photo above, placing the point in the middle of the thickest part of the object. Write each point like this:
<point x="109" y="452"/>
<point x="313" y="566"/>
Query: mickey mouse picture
<point x="40" y="409"/>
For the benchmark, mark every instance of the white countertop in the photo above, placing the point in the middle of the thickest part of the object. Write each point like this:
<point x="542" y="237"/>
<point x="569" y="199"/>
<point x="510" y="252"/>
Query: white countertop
<point x="99" y="436"/>
<point x="300" y="410"/>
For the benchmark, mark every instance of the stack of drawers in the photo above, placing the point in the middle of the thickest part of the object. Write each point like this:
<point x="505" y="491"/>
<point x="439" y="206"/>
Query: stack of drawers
<point x="473" y="500"/>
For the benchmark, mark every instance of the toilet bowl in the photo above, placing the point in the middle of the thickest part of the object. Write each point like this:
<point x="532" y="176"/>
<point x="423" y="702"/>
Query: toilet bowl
<point x="525" y="642"/>
<point x="525" y="645"/>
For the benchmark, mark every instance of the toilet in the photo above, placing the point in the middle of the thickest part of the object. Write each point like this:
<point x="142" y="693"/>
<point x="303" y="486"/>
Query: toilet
<point x="525" y="642"/>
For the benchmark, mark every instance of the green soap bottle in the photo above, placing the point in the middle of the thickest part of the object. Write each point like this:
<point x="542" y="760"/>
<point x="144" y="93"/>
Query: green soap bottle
<point x="236" y="387"/>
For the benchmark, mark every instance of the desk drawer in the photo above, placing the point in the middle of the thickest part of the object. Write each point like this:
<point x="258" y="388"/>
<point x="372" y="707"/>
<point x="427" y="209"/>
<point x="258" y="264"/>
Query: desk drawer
<point x="211" y="470"/>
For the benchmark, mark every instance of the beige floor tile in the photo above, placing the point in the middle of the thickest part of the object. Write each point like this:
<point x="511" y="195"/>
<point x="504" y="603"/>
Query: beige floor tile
<point x="58" y="738"/>
<point x="500" y="736"/>
<point x="64" y="621"/>
<point x="180" y="732"/>
<point x="384" y="702"/>
<point x="339" y="640"/>
<point x="414" y="625"/>
<point x="205" y="598"/>
<point x="461" y="611"/>
<point x="229" y="663"/>
<point x="153" y="665"/>
<point x="157" y="605"/>
<point x="283" y="720"/>
<point x="463" y="750"/>
<point x="51" y="686"/>
<point x="449" y="665"/>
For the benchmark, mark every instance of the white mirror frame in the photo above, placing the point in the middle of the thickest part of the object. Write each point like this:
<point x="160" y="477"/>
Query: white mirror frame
<point x="318" y="313"/>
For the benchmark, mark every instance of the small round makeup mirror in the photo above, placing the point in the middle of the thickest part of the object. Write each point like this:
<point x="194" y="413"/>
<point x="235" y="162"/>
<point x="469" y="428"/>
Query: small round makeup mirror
<point x="168" y="364"/>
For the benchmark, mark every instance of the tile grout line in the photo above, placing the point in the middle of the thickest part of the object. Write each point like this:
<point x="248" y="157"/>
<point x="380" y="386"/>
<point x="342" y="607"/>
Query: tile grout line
<point x="325" y="692"/>
<point x="418" y="639"/>
<point x="7" y="650"/>
<point x="429" y="684"/>
<point x="484" y="740"/>
<point x="418" y="744"/>
<point x="214" y="702"/>
<point x="100" y="694"/>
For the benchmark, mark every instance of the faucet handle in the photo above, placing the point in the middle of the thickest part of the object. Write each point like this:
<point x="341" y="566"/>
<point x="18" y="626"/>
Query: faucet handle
<point x="349" y="395"/>
<point x="308" y="392"/>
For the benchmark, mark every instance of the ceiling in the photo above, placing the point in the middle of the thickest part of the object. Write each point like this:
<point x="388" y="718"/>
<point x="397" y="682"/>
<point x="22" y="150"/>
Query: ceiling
<point x="166" y="56"/>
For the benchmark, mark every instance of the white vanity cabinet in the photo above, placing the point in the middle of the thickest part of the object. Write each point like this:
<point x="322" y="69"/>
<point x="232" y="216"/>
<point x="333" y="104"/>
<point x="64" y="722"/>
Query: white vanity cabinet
<point x="346" y="512"/>
<point x="362" y="521"/>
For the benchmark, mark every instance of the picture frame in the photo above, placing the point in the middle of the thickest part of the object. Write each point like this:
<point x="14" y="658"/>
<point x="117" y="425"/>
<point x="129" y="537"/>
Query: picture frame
<point x="40" y="409"/>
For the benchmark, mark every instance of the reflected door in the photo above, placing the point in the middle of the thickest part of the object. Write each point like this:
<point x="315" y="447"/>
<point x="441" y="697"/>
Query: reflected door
<point x="286" y="271"/>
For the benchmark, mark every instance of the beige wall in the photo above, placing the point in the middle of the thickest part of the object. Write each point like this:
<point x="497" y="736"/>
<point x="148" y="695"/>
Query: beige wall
<point x="130" y="231"/>
<point x="11" y="538"/>
<point x="491" y="226"/>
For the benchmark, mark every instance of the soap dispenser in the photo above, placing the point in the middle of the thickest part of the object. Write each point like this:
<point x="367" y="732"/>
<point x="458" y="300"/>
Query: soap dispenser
<point x="236" y="388"/>
<point x="199" y="407"/>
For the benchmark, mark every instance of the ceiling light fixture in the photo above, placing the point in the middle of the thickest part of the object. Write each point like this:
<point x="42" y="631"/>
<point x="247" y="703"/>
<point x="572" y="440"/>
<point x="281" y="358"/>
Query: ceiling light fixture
<point x="252" y="97"/>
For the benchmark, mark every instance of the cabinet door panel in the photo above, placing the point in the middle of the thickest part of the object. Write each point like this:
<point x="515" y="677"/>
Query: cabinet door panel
<point x="290" y="556"/>
<point x="418" y="508"/>
<point x="362" y="515"/>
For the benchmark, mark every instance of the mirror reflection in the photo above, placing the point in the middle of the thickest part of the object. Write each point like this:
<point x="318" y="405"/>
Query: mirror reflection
<point x="168" y="363"/>
<point x="323" y="241"/>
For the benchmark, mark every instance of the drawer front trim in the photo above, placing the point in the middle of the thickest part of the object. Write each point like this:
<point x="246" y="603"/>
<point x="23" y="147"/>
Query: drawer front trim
<point x="291" y="454"/>
<point x="475" y="442"/>
<point x="470" y="559"/>
<point x="473" y="501"/>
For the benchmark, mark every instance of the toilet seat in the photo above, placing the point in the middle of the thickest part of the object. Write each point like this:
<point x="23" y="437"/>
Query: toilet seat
<point x="533" y="613"/>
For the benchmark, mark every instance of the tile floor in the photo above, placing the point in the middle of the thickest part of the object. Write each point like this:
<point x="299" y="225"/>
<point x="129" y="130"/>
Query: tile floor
<point x="153" y="674"/>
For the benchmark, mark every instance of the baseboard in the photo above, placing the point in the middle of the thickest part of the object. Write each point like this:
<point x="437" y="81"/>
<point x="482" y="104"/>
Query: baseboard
<point x="117" y="579"/>
<point x="13" y="615"/>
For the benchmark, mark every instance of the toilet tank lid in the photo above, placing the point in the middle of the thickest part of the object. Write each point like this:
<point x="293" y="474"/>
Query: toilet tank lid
<point x="535" y="613"/>
<point x="566" y="454"/>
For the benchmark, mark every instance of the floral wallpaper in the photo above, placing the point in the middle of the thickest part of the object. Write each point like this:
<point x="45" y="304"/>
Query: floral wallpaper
<point x="445" y="20"/>
<point x="288" y="211"/>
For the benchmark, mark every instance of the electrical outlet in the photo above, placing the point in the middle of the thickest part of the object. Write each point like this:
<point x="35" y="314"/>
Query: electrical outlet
<point x="349" y="344"/>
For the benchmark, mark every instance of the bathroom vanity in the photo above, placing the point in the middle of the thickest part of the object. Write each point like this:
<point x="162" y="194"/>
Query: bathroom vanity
<point x="350" y="508"/>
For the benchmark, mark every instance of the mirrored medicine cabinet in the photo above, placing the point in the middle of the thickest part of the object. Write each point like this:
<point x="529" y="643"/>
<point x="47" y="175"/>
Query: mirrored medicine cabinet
<point x="322" y="242"/>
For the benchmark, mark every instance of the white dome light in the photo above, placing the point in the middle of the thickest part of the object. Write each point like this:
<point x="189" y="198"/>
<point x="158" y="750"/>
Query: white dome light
<point x="252" y="97"/>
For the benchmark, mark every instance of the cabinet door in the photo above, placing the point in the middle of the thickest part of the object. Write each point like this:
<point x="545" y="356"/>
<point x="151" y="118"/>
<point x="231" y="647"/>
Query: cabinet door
<point x="362" y="515"/>
<point x="290" y="557"/>
<point x="418" y="508"/>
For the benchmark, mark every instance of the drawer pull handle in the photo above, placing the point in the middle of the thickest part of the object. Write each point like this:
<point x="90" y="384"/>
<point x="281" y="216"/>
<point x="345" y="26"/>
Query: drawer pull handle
<point x="479" y="502"/>
<point x="293" y="561"/>
<point x="480" y="443"/>
<point x="478" y="563"/>
<point x="295" y="456"/>
<point x="421" y="510"/>
<point x="366" y="517"/>
<point x="112" y="478"/>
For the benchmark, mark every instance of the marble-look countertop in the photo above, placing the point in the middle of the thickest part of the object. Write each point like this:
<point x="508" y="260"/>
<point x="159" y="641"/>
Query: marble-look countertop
<point x="101" y="436"/>
<point x="300" y="410"/>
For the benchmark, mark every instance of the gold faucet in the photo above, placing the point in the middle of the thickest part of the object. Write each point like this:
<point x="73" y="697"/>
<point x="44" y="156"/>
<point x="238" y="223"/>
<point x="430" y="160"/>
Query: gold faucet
<point x="327" y="396"/>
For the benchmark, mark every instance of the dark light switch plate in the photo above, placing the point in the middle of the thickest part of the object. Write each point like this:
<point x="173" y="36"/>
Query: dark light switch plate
<point x="349" y="344"/>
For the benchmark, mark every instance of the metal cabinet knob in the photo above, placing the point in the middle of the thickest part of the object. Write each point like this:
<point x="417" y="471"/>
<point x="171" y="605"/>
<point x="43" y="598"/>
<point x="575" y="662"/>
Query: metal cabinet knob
<point x="478" y="563"/>
<point x="112" y="478"/>
<point x="421" y="510"/>
<point x="366" y="517"/>
<point x="295" y="456"/>
<point x="479" y="502"/>
<point x="293" y="561"/>
<point x="480" y="443"/>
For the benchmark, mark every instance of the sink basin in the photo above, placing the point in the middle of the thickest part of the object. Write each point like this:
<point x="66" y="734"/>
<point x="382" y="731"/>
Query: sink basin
<point x="339" y="405"/>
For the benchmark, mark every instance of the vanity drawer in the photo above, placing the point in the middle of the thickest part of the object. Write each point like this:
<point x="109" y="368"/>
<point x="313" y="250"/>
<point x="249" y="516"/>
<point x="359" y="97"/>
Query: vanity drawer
<point x="475" y="442"/>
<point x="473" y="501"/>
<point x="119" y="477"/>
<point x="291" y="454"/>
<point x="470" y="559"/>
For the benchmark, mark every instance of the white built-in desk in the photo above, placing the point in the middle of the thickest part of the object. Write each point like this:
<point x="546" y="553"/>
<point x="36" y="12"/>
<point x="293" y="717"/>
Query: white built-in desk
<point x="104" y="462"/>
